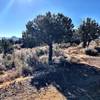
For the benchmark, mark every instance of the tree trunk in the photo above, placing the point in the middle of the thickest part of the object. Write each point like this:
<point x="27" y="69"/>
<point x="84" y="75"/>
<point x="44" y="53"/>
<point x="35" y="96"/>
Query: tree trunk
<point x="50" y="54"/>
<point x="88" y="44"/>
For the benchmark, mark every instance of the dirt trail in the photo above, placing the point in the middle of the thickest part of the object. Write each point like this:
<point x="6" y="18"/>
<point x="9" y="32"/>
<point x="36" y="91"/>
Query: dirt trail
<point x="78" y="54"/>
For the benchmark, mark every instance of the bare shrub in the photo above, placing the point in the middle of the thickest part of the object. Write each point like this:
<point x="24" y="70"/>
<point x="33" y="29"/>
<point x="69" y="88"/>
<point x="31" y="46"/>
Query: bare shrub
<point x="17" y="46"/>
<point x="27" y="71"/>
<point x="8" y="62"/>
<point x="64" y="45"/>
<point x="40" y="52"/>
<point x="98" y="49"/>
<point x="2" y="67"/>
<point x="44" y="59"/>
<point x="27" y="62"/>
<point x="91" y="52"/>
<point x="57" y="51"/>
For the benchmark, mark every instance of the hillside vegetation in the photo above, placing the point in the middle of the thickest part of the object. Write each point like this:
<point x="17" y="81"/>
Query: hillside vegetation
<point x="52" y="61"/>
<point x="73" y="76"/>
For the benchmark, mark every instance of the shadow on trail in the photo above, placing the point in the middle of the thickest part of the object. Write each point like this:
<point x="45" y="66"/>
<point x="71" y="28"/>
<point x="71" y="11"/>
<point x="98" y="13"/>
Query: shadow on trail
<point x="74" y="81"/>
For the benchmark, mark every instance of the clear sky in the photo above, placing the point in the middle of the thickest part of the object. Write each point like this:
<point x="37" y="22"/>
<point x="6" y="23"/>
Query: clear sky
<point x="14" y="14"/>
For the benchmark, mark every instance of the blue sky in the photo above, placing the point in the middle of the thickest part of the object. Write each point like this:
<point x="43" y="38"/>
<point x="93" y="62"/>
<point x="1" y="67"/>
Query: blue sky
<point x="14" y="14"/>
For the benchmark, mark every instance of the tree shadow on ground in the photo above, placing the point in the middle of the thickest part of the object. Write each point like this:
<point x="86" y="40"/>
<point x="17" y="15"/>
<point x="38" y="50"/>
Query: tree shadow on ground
<point x="74" y="81"/>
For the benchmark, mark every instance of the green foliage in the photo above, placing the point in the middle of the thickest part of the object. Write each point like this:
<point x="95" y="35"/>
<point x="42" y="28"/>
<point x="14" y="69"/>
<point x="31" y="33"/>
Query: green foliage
<point x="89" y="30"/>
<point x="8" y="62"/>
<point x="52" y="28"/>
<point x="5" y="46"/>
<point x="28" y="40"/>
<point x="76" y="39"/>
<point x="49" y="29"/>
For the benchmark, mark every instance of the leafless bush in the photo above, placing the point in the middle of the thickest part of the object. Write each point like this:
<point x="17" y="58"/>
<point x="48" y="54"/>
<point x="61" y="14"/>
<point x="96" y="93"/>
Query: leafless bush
<point x="98" y="49"/>
<point x="27" y="62"/>
<point x="64" y="45"/>
<point x="40" y="52"/>
<point x="8" y="62"/>
<point x="44" y="59"/>
<point x="91" y="52"/>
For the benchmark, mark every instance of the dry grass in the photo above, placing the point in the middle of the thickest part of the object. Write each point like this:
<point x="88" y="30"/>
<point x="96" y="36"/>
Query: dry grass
<point x="22" y="91"/>
<point x="6" y="84"/>
<point x="9" y="76"/>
